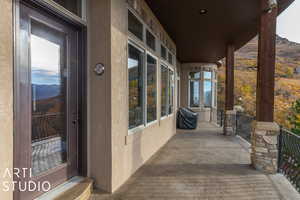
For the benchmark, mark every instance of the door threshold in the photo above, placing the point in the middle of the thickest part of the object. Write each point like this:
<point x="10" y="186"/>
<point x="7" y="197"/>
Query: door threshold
<point x="77" y="188"/>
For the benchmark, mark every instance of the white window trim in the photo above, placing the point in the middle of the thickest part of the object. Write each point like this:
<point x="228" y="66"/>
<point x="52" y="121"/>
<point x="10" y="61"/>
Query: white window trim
<point x="143" y="47"/>
<point x="146" y="88"/>
<point x="173" y="111"/>
<point x="138" y="128"/>
<point x="201" y="90"/>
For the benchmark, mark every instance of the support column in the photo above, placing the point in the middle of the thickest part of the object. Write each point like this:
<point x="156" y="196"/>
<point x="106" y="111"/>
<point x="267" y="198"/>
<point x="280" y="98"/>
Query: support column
<point x="265" y="130"/>
<point x="230" y="113"/>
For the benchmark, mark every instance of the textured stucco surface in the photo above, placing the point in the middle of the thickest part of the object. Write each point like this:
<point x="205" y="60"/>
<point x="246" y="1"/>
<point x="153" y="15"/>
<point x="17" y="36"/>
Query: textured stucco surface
<point x="99" y="94"/>
<point x="200" y="165"/>
<point x="6" y="93"/>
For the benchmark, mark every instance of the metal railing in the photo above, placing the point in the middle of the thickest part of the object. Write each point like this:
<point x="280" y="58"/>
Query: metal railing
<point x="289" y="156"/>
<point x="288" y="146"/>
<point x="244" y="125"/>
<point x="220" y="117"/>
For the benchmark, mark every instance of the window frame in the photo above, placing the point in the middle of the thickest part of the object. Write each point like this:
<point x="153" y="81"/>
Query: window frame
<point x="164" y="64"/>
<point x="201" y="82"/>
<point x="132" y="43"/>
<point x="173" y="89"/>
<point x="57" y="8"/>
<point x="143" y="25"/>
<point x="146" y="89"/>
<point x="212" y="87"/>
<point x="147" y="30"/>
<point x="156" y="54"/>
<point x="160" y="53"/>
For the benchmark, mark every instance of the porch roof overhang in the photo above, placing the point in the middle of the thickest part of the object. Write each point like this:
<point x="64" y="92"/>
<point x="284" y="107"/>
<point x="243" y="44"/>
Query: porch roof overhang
<point x="204" y="37"/>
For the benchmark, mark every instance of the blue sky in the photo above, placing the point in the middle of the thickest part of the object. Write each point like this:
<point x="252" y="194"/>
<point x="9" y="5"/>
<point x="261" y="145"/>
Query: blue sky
<point x="288" y="25"/>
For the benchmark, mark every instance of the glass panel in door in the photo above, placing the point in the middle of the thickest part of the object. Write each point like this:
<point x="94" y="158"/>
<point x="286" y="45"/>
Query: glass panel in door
<point x="49" y="107"/>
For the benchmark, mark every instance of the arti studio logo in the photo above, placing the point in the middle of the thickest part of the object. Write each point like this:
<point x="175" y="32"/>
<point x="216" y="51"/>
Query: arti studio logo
<point x="22" y="186"/>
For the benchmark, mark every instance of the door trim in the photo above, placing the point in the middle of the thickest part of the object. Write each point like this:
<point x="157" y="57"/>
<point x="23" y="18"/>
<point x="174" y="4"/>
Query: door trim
<point x="82" y="89"/>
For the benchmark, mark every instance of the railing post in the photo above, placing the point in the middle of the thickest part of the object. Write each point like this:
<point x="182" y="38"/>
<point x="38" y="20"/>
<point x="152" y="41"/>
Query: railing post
<point x="222" y="118"/>
<point x="279" y="148"/>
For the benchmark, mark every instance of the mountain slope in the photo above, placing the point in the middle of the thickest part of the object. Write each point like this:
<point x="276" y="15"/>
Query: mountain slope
<point x="287" y="80"/>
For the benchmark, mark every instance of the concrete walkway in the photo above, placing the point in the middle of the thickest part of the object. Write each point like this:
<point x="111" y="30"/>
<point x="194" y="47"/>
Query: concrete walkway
<point x="200" y="165"/>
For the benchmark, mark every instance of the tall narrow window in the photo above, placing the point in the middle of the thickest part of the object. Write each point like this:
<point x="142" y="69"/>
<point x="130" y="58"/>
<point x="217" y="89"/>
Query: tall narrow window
<point x="135" y="26"/>
<point x="151" y="89"/>
<point x="207" y="89"/>
<point x="150" y="40"/>
<point x="136" y="87"/>
<point x="171" y="91"/>
<point x="164" y="91"/>
<point x="194" y="84"/>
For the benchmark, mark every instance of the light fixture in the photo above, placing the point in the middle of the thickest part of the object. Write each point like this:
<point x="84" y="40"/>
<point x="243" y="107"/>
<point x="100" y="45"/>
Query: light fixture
<point x="272" y="4"/>
<point x="202" y="11"/>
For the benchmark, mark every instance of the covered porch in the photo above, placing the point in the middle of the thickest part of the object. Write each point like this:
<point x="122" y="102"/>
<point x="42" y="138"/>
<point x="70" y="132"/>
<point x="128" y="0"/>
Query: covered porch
<point x="202" y="165"/>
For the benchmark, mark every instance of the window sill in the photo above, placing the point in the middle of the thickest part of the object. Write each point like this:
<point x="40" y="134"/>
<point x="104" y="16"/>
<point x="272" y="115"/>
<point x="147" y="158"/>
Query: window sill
<point x="136" y="133"/>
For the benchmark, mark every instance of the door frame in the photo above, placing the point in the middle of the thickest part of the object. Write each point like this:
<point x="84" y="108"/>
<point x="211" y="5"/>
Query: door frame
<point x="81" y="26"/>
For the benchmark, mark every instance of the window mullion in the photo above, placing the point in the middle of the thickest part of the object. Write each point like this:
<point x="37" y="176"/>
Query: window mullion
<point x="145" y="89"/>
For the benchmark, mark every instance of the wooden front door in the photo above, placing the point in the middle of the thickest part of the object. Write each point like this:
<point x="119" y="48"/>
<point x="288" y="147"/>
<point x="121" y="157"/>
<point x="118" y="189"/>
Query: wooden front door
<point x="47" y="98"/>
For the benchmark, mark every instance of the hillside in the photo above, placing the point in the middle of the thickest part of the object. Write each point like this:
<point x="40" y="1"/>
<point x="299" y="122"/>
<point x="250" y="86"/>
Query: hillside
<point x="287" y="87"/>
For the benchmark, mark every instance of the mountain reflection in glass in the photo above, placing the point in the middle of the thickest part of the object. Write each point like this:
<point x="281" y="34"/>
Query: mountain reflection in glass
<point x="136" y="87"/>
<point x="48" y="101"/>
<point x="151" y="89"/>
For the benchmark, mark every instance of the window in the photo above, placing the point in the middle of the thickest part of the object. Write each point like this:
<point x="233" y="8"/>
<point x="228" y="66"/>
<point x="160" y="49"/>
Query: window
<point x="164" y="90"/>
<point x="151" y="89"/>
<point x="163" y="52"/>
<point x="136" y="86"/>
<point x="170" y="57"/>
<point x="150" y="40"/>
<point x="194" y="89"/>
<point x="171" y="91"/>
<point x="207" y="89"/>
<point x="75" y="6"/>
<point x="194" y="93"/>
<point x="135" y="26"/>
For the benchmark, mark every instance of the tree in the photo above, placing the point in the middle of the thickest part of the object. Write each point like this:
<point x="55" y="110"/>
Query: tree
<point x="294" y="119"/>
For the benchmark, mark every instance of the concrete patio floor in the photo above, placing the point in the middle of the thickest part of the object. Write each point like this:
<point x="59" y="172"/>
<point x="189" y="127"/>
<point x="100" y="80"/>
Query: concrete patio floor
<point x="202" y="165"/>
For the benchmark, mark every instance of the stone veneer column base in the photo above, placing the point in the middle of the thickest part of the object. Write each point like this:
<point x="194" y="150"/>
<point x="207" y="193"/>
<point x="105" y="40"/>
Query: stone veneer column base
<point x="264" y="153"/>
<point x="230" y="122"/>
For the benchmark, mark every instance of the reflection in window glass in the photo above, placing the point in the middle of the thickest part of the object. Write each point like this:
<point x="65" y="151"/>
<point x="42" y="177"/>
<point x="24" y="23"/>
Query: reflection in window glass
<point x="195" y="75"/>
<point x="194" y="93"/>
<point x="171" y="91"/>
<point x="151" y="89"/>
<point x="164" y="91"/>
<point x="48" y="84"/>
<point x="170" y="58"/>
<point x="75" y="6"/>
<point x="163" y="52"/>
<point x="207" y="75"/>
<point x="136" y="87"/>
<point x="150" y="40"/>
<point x="207" y="93"/>
<point x="135" y="26"/>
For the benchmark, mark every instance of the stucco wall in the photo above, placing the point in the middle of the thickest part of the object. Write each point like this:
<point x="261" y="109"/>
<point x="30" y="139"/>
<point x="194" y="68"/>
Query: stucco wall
<point x="6" y="94"/>
<point x="129" y="152"/>
<point x="99" y="94"/>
